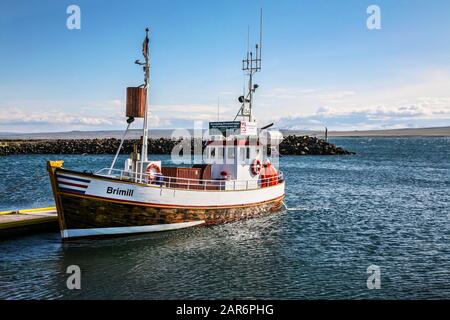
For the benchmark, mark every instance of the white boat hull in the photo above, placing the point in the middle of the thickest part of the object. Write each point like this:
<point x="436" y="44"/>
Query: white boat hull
<point x="91" y="205"/>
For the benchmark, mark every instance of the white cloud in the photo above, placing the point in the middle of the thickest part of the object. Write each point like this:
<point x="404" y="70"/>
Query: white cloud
<point x="417" y="101"/>
<point x="423" y="101"/>
<point x="16" y="119"/>
<point x="18" y="116"/>
<point x="370" y="118"/>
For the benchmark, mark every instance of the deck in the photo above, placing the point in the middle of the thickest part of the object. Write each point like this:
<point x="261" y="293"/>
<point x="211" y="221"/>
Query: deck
<point x="15" y="222"/>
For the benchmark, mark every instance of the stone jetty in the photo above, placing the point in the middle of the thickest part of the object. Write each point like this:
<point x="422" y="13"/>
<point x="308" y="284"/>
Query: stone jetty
<point x="306" y="145"/>
<point x="291" y="145"/>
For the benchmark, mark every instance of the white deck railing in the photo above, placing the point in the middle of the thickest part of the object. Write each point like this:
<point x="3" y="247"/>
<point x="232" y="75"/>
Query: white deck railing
<point x="190" y="184"/>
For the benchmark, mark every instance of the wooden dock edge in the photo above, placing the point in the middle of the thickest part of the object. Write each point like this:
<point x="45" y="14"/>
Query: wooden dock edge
<point x="28" y="210"/>
<point x="21" y="222"/>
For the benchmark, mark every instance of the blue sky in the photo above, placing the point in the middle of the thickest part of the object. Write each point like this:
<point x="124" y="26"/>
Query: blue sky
<point x="322" y="66"/>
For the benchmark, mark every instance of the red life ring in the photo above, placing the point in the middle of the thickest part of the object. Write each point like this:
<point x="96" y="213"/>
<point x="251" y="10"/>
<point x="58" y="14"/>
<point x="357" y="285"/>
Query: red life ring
<point x="151" y="171"/>
<point x="256" y="167"/>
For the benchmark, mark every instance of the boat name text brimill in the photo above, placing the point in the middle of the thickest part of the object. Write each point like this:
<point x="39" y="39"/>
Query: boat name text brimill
<point x="120" y="192"/>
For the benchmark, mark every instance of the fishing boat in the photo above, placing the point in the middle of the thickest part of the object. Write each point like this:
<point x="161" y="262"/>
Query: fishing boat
<point x="235" y="181"/>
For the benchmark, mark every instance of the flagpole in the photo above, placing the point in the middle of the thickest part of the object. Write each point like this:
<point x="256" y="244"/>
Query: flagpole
<point x="144" y="155"/>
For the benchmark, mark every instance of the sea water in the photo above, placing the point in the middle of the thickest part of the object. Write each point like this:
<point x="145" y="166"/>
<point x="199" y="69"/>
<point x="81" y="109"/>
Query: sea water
<point x="387" y="207"/>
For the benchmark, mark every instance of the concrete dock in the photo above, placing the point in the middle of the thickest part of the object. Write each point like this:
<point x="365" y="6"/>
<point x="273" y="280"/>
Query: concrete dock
<point x="19" y="222"/>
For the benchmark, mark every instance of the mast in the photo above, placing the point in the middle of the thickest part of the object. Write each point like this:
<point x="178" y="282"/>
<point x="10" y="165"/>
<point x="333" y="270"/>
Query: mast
<point x="250" y="66"/>
<point x="137" y="107"/>
<point x="146" y="69"/>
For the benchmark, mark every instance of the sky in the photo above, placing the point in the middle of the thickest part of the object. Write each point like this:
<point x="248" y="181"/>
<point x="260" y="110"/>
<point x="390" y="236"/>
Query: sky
<point x="322" y="66"/>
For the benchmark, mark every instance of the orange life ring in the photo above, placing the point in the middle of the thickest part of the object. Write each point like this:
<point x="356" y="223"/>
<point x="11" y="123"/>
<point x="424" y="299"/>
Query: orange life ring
<point x="151" y="171"/>
<point x="256" y="167"/>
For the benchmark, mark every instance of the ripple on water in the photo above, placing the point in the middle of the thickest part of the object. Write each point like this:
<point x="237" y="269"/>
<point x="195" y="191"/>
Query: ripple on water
<point x="386" y="206"/>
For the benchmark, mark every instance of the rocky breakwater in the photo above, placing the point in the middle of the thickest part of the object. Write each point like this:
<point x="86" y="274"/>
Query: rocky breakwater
<point x="291" y="145"/>
<point x="306" y="145"/>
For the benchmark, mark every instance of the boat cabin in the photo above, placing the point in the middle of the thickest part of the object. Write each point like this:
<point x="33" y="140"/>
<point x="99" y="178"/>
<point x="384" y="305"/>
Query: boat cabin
<point x="232" y="160"/>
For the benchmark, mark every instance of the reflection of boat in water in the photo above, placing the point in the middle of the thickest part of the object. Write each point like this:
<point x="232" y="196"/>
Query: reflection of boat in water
<point x="236" y="181"/>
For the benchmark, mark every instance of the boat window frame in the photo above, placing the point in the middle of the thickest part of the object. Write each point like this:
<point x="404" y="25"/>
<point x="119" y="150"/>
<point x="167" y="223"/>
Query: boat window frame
<point x="231" y="153"/>
<point x="257" y="152"/>
<point x="220" y="153"/>
<point x="241" y="156"/>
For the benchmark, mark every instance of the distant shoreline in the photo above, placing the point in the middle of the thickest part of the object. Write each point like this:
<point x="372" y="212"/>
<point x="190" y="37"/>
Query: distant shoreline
<point x="166" y="133"/>
<point x="405" y="132"/>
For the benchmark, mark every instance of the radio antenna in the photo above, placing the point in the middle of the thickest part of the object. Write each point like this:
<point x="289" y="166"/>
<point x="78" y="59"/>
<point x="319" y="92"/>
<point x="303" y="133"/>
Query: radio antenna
<point x="248" y="39"/>
<point x="218" y="108"/>
<point x="260" y="36"/>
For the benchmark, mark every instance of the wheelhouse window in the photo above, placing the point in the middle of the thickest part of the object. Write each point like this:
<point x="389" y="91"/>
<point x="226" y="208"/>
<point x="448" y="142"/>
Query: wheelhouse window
<point x="241" y="155"/>
<point x="230" y="153"/>
<point x="220" y="151"/>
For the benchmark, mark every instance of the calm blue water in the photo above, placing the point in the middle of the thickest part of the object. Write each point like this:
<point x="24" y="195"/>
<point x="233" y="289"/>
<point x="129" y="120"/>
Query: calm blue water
<point x="389" y="206"/>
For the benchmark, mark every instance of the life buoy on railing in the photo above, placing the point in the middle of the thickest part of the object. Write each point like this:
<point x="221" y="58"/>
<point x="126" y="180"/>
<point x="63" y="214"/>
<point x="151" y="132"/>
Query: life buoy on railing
<point x="152" y="171"/>
<point x="256" y="167"/>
